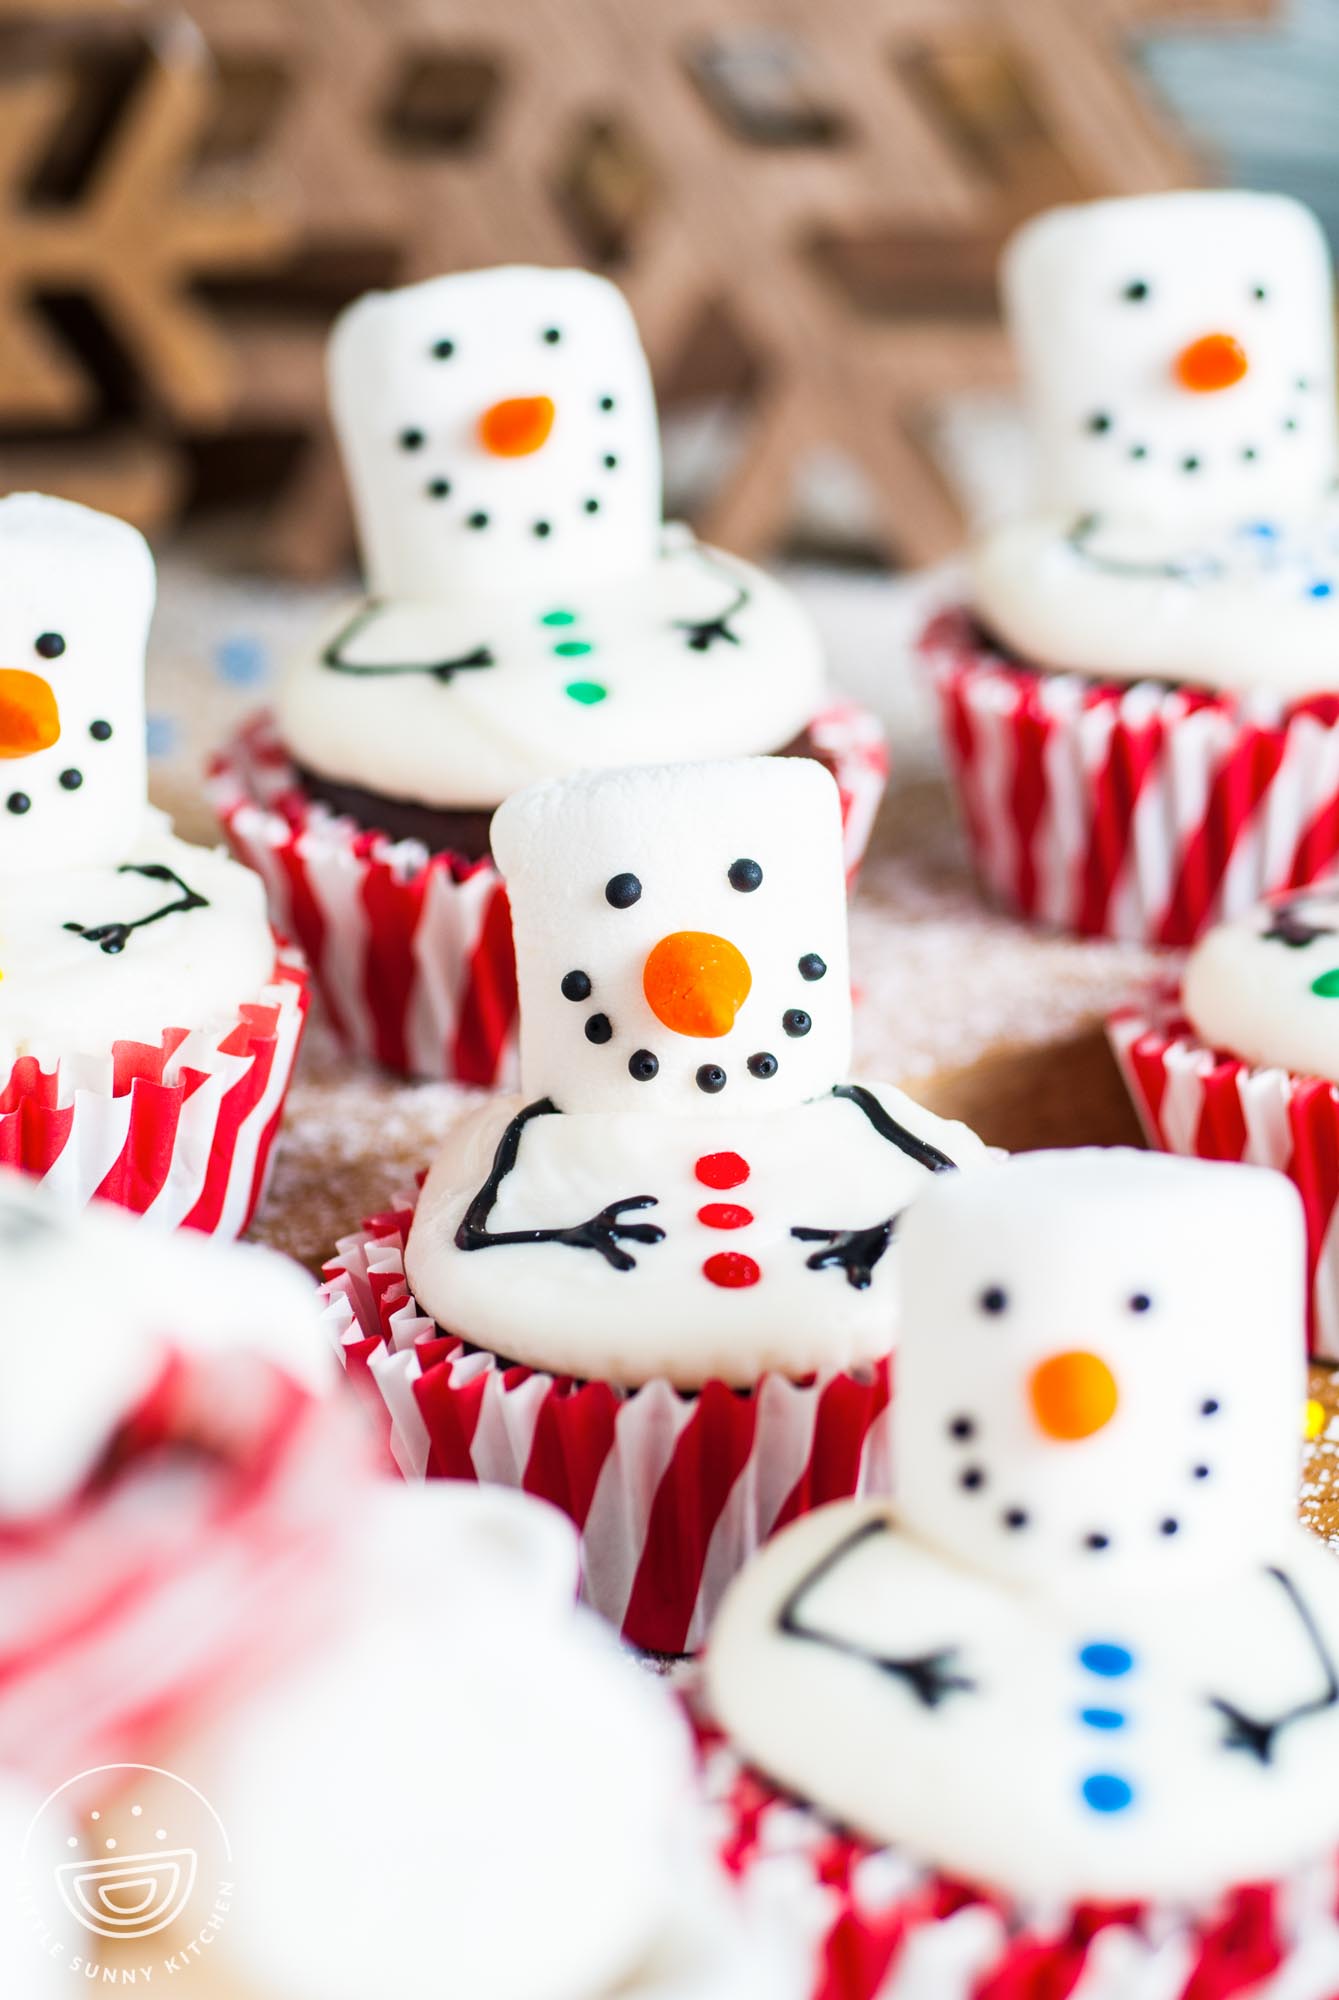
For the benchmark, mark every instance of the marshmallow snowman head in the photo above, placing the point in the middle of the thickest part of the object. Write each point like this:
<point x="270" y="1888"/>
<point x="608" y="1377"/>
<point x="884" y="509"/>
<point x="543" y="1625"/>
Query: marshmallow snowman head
<point x="499" y="432"/>
<point x="1101" y="1368"/>
<point x="680" y="936"/>
<point x="88" y="1322"/>
<point x="1178" y="357"/>
<point x="76" y="596"/>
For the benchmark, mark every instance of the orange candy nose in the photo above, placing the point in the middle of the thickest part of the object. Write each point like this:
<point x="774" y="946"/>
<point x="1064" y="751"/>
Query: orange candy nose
<point x="1215" y="361"/>
<point x="29" y="717"/>
<point x="1072" y="1395"/>
<point x="516" y="427"/>
<point x="695" y="983"/>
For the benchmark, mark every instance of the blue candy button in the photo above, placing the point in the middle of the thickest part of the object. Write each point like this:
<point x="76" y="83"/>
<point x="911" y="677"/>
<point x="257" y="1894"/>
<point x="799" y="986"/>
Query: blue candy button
<point x="1321" y="589"/>
<point x="1105" y="1659"/>
<point x="1106" y="1793"/>
<point x="1102" y="1718"/>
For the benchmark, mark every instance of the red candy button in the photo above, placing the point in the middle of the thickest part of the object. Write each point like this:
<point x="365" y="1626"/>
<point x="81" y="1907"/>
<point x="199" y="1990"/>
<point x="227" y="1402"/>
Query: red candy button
<point x="725" y="1215"/>
<point x="730" y="1269"/>
<point x="721" y="1170"/>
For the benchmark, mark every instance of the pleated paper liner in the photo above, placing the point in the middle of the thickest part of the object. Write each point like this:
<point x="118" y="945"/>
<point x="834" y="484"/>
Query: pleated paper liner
<point x="1212" y="1106"/>
<point x="411" y="951"/>
<point x="180" y="1131"/>
<point x="1143" y="812"/>
<point x="671" y="1492"/>
<point x="882" y="1928"/>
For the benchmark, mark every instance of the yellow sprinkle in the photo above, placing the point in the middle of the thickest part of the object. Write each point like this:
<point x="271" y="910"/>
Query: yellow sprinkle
<point x="1313" y="1421"/>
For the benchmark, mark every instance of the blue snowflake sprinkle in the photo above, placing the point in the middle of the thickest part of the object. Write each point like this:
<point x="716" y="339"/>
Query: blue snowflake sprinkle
<point x="1321" y="589"/>
<point x="160" y="735"/>
<point x="242" y="660"/>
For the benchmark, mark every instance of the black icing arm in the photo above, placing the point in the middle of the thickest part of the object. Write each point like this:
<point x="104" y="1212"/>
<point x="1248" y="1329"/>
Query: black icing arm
<point x="704" y="633"/>
<point x="1257" y="1735"/>
<point x="442" y="671"/>
<point x="931" y="1677"/>
<point x="603" y="1232"/>
<point x="114" y="937"/>
<point x="857" y="1251"/>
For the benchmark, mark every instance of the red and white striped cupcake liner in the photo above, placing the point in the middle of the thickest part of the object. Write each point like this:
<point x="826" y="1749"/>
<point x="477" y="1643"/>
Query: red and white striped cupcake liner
<point x="1211" y="1106"/>
<point x="411" y="952"/>
<point x="671" y="1492"/>
<point x="1144" y="812"/>
<point x="180" y="1132"/>
<point x="880" y="1928"/>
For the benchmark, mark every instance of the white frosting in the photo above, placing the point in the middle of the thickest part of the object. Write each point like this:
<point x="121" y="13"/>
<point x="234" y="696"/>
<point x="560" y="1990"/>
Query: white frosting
<point x="61" y="993"/>
<point x="389" y="384"/>
<point x="819" y="1166"/>
<point x="29" y="1855"/>
<point x="514" y="1797"/>
<point x="603" y="640"/>
<point x="1206" y="545"/>
<point x="76" y="595"/>
<point x="87" y="1321"/>
<point x="1106" y="1683"/>
<point x="486" y="732"/>
<point x="1266" y="986"/>
<point x="605" y="872"/>
<point x="679" y="830"/>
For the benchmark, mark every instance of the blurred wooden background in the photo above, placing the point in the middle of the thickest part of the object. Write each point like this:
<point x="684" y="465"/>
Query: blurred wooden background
<point x="804" y="204"/>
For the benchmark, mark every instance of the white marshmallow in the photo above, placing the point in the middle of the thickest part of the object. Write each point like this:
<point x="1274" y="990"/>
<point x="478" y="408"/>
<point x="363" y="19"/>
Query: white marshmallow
<point x="31" y="1850"/>
<point x="1020" y="1673"/>
<point x="1105" y="297"/>
<point x="568" y="847"/>
<point x="76" y="595"/>
<point x="414" y="375"/>
<point x="87" y="1321"/>
<point x="1265" y="987"/>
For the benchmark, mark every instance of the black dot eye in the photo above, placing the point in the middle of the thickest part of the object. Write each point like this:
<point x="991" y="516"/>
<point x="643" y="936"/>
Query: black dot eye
<point x="763" y="1064"/>
<point x="1097" y="1541"/>
<point x="1201" y="1472"/>
<point x="1099" y="422"/>
<point x="711" y="1078"/>
<point x="442" y="350"/>
<point x="478" y="521"/>
<point x="599" y="1029"/>
<point x="552" y="335"/>
<point x="542" y="528"/>
<point x="1136" y="291"/>
<point x="606" y="404"/>
<point x="1140" y="1302"/>
<point x="592" y="506"/>
<point x="49" y="644"/>
<point x="812" y="966"/>
<point x="1210" y="1406"/>
<point x="412" y="440"/>
<point x="1015" y="1518"/>
<point x="100" y="731"/>
<point x="1169" y="1526"/>
<point x="439" y="489"/>
<point x="642" y="1066"/>
<point x="610" y="461"/>
<point x="71" y="780"/>
<point x="1191" y="464"/>
<point x="744" y="875"/>
<point x="994" y="1300"/>
<point x="18" y="802"/>
<point x="796" y="1022"/>
<point x="576" y="986"/>
<point x="622" y="891"/>
<point x="1259" y="294"/>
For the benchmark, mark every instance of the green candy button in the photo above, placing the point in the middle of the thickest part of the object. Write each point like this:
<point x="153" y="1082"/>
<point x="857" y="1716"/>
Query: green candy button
<point x="572" y="649"/>
<point x="1327" y="986"/>
<point x="558" y="618"/>
<point x="586" y="692"/>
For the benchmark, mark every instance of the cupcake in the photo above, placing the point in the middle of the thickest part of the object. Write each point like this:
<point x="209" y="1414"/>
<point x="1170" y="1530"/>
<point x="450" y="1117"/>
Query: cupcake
<point x="1239" y="1060"/>
<point x="149" y="1018"/>
<point x="241" y="1667"/>
<point x="658" y="1285"/>
<point x="527" y="614"/>
<point x="1141" y="704"/>
<point x="1063" y="1717"/>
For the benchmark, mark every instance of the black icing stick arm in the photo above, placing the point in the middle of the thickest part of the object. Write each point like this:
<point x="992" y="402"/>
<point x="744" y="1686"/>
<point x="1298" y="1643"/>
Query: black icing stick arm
<point x="857" y="1251"/>
<point x="114" y="937"/>
<point x="931" y="1677"/>
<point x="441" y="671"/>
<point x="605" y="1232"/>
<point x="1257" y="1735"/>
